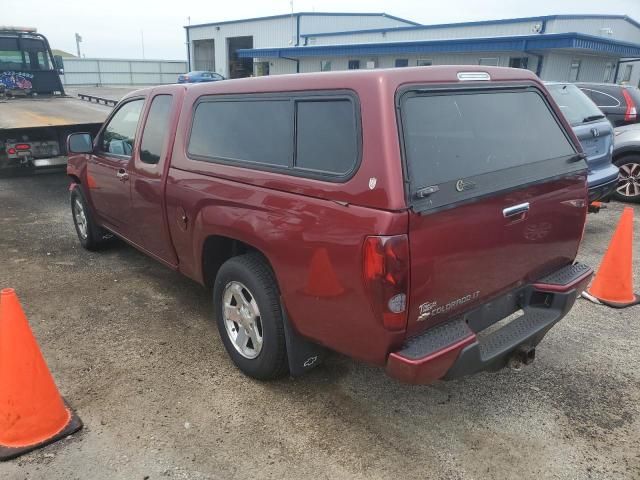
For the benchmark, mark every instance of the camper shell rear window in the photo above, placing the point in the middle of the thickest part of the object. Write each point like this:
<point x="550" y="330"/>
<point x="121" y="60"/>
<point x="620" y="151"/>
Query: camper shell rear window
<point x="463" y="143"/>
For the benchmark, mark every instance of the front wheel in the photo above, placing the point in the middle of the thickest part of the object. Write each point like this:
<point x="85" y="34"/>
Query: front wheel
<point x="249" y="317"/>
<point x="628" y="189"/>
<point x="91" y="236"/>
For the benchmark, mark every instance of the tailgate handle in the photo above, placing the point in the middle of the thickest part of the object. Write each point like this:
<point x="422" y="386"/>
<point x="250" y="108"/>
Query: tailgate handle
<point x="520" y="209"/>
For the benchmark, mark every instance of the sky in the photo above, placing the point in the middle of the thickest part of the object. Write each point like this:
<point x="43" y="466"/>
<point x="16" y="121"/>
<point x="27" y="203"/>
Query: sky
<point x="120" y="28"/>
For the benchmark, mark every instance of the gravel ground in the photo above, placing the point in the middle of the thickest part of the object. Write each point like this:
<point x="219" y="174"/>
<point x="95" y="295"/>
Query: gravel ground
<point x="134" y="349"/>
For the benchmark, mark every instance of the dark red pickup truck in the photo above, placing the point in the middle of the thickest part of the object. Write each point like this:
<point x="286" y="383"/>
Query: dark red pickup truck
<point x="396" y="216"/>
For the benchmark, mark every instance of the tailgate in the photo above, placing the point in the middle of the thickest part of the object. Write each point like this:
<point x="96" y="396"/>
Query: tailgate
<point x="497" y="192"/>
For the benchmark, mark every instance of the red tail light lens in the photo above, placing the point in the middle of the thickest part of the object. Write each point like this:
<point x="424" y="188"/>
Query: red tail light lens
<point x="631" y="114"/>
<point x="23" y="146"/>
<point x="386" y="276"/>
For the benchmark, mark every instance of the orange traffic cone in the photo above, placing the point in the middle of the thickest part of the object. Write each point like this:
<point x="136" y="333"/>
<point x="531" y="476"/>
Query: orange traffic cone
<point x="32" y="412"/>
<point x="613" y="283"/>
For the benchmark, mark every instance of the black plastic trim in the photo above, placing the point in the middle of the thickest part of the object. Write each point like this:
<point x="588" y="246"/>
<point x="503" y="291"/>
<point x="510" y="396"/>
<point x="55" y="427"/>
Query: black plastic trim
<point x="602" y="191"/>
<point x="491" y="349"/>
<point x="302" y="354"/>
<point x="492" y="352"/>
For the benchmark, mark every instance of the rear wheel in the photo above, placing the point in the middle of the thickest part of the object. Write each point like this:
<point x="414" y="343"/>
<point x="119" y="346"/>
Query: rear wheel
<point x="628" y="189"/>
<point x="249" y="316"/>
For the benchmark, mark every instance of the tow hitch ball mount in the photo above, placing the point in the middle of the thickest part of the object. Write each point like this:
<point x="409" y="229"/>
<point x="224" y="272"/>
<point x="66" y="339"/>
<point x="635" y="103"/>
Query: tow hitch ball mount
<point x="523" y="355"/>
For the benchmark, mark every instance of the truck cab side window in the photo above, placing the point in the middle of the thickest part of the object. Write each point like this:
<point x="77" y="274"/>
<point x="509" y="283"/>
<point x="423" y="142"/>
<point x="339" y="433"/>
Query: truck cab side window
<point x="155" y="130"/>
<point x="119" y="134"/>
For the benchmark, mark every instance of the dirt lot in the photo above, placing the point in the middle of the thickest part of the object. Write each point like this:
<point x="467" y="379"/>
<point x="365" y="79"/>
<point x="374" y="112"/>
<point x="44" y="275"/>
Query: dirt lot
<point x="134" y="348"/>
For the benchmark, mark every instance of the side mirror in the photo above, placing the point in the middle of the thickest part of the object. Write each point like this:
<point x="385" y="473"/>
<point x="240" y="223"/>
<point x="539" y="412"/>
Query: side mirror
<point x="79" y="143"/>
<point x="59" y="64"/>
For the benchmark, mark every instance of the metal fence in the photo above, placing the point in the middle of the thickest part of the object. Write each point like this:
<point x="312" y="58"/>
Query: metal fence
<point x="100" y="71"/>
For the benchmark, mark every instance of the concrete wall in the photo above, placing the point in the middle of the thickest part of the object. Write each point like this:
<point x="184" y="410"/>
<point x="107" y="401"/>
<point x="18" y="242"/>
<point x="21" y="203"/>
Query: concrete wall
<point x="101" y="71"/>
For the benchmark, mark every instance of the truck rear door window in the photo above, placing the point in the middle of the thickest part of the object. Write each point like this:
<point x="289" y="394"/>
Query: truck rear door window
<point x="256" y="131"/>
<point x="155" y="130"/>
<point x="463" y="144"/>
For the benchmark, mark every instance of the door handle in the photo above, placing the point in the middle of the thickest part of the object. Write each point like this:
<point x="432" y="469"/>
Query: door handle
<point x="122" y="175"/>
<point x="517" y="210"/>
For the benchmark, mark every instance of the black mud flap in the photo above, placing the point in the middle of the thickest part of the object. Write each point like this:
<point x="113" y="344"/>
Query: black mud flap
<point x="303" y="354"/>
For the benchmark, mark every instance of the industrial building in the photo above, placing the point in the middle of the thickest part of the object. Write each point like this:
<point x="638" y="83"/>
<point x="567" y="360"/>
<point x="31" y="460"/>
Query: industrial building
<point x="586" y="48"/>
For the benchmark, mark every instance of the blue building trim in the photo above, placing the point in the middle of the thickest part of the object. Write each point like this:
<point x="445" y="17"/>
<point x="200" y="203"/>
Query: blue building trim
<point x="519" y="43"/>
<point x="542" y="19"/>
<point x="305" y="14"/>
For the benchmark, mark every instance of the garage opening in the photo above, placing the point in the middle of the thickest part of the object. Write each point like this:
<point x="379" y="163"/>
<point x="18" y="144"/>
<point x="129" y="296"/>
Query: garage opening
<point x="204" y="56"/>
<point x="239" y="67"/>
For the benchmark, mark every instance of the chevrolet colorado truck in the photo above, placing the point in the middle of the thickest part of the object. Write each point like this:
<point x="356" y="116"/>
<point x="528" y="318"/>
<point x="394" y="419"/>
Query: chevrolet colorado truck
<point x="425" y="220"/>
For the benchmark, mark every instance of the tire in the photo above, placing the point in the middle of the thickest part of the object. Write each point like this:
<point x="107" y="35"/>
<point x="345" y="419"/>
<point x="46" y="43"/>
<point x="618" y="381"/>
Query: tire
<point x="628" y="189"/>
<point x="249" y="317"/>
<point x="90" y="235"/>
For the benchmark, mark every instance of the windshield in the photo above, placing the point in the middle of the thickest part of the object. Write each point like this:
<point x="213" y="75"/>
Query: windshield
<point x="26" y="65"/>
<point x="24" y="54"/>
<point x="576" y="106"/>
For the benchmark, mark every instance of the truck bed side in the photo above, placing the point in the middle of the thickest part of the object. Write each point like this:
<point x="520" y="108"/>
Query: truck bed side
<point x="314" y="247"/>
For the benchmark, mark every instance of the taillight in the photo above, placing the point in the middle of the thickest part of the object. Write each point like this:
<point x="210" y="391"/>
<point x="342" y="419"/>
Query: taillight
<point x="23" y="146"/>
<point x="631" y="113"/>
<point x="386" y="276"/>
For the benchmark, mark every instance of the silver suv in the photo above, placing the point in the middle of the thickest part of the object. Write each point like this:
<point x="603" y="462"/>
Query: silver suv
<point x="595" y="134"/>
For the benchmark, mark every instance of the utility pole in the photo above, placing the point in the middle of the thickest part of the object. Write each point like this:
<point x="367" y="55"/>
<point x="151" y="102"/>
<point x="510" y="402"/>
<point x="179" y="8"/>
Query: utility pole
<point x="142" y="39"/>
<point x="294" y="39"/>
<point x="78" y="40"/>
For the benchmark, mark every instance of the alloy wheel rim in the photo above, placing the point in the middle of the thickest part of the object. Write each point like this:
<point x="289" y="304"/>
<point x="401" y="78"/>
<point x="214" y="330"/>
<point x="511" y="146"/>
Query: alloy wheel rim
<point x="629" y="180"/>
<point x="80" y="218"/>
<point x="242" y="319"/>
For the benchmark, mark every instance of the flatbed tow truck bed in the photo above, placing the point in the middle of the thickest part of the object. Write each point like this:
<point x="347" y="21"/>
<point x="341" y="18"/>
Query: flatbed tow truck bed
<point x="49" y="112"/>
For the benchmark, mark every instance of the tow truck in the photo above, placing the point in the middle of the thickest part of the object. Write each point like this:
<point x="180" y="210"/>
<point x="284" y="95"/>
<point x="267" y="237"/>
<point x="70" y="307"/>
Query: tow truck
<point x="36" y="115"/>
